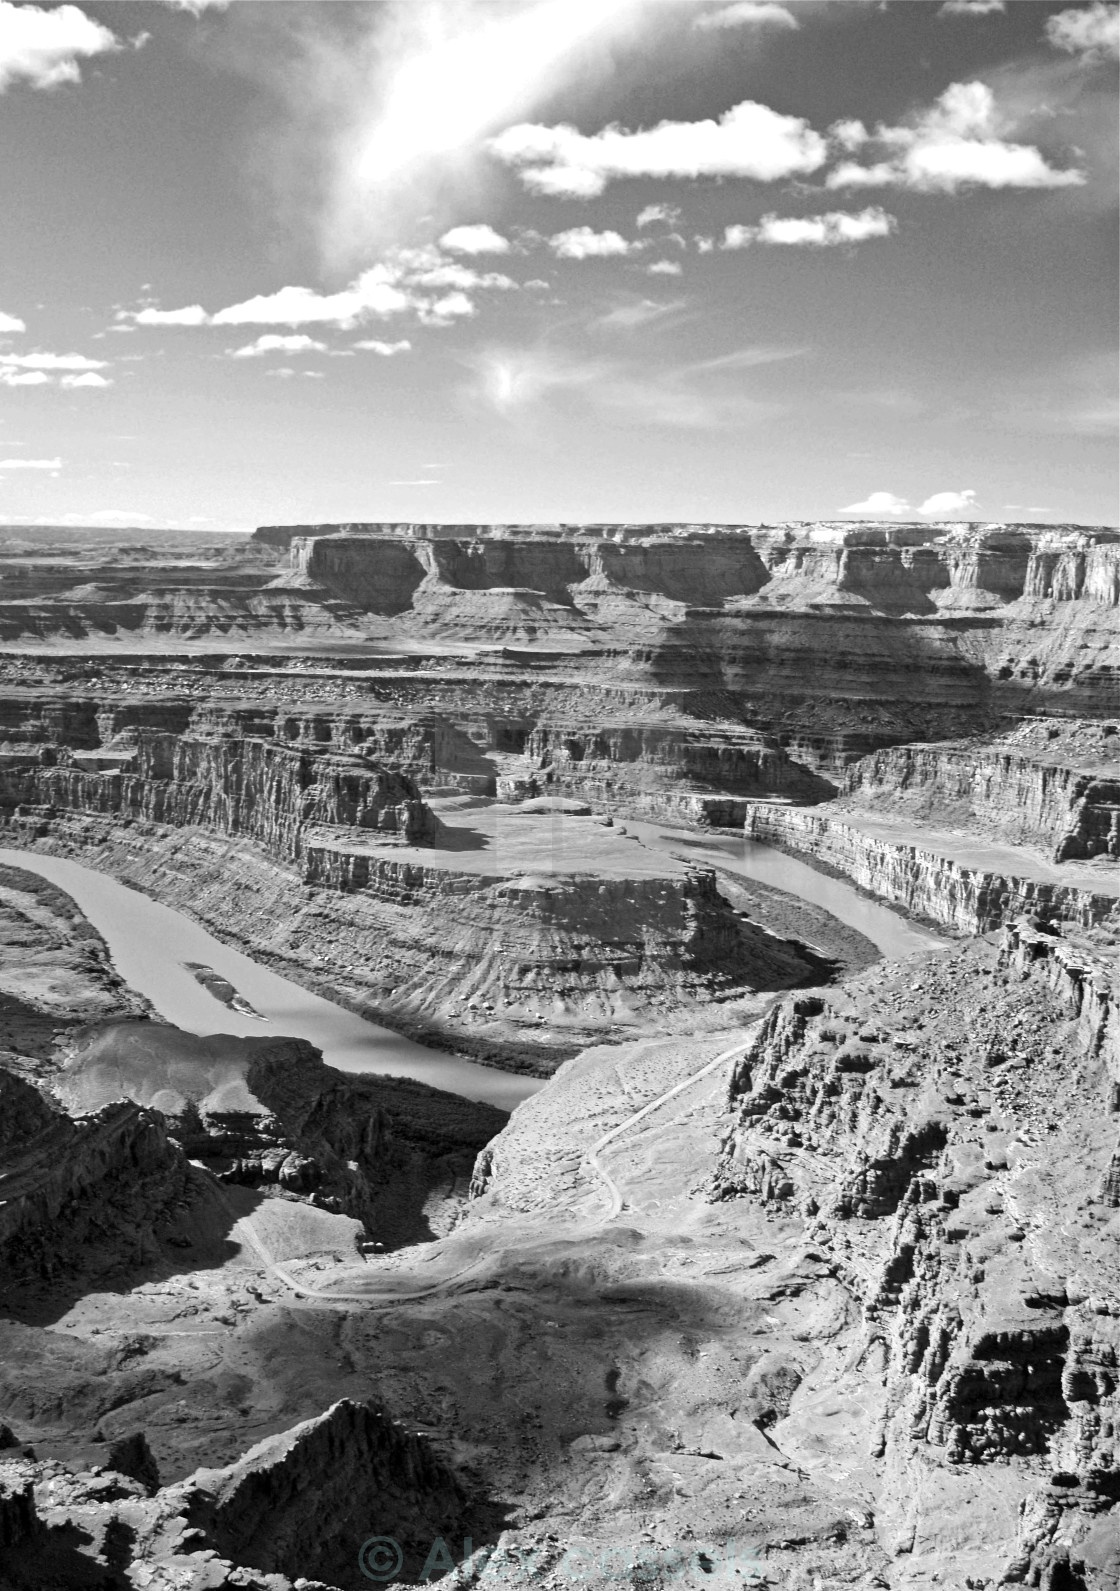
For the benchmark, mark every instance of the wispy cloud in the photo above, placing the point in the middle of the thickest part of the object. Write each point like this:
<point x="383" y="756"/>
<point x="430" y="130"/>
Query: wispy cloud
<point x="692" y="396"/>
<point x="971" y="8"/>
<point x="277" y="343"/>
<point x="45" y="48"/>
<point x="748" y="14"/>
<point x="52" y="362"/>
<point x="10" y="324"/>
<point x="409" y="91"/>
<point x="373" y="345"/>
<point x="53" y="465"/>
<point x="668" y="214"/>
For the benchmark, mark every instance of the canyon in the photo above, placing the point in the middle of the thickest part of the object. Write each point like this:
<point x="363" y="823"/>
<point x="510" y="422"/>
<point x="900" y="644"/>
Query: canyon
<point x="799" y="1263"/>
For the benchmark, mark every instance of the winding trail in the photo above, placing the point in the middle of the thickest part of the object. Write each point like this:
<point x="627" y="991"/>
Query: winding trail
<point x="591" y="1159"/>
<point x="323" y="1295"/>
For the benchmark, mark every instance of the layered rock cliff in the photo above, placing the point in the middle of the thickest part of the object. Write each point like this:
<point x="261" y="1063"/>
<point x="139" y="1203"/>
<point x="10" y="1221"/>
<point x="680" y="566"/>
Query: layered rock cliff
<point x="949" y="879"/>
<point x="945" y="1138"/>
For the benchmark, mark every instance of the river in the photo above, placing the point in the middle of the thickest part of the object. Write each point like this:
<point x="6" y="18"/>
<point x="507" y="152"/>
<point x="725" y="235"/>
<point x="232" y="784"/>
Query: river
<point x="893" y="935"/>
<point x="150" y="944"/>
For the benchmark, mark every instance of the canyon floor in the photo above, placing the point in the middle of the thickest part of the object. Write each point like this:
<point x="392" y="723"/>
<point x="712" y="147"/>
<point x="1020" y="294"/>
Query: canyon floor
<point x="800" y="1266"/>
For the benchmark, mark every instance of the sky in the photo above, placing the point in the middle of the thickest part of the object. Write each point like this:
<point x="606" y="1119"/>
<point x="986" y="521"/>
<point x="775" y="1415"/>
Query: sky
<point x="537" y="260"/>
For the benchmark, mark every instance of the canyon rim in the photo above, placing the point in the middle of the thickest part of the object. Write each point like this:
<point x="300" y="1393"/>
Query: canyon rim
<point x="558" y="1012"/>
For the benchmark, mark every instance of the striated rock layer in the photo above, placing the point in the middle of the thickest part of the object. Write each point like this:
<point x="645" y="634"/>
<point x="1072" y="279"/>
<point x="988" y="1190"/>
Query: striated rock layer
<point x="948" y="1140"/>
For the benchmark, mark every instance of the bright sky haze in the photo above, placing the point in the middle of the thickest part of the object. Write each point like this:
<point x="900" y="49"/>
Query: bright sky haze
<point x="515" y="260"/>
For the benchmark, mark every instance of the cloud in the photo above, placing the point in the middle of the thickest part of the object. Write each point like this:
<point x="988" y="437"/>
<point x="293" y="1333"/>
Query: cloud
<point x="639" y="312"/>
<point x="274" y="343"/>
<point x="189" y="315"/>
<point x="23" y="378"/>
<point x="940" y="505"/>
<point x="31" y="464"/>
<point x="11" y="323"/>
<point x="971" y="8"/>
<point x="584" y="243"/>
<point x="665" y="268"/>
<point x="698" y="396"/>
<point x="1091" y="32"/>
<point x="44" y="47"/>
<point x="749" y="140"/>
<point x="386" y="350"/>
<point x="813" y="231"/>
<point x="414" y="483"/>
<point x="197" y="7"/>
<point x="408" y="93"/>
<point x="748" y="14"/>
<point x="668" y="213"/>
<point x="953" y="145"/>
<point x="52" y="362"/>
<point x="476" y="239"/>
<point x="948" y="503"/>
<point x="419" y="281"/>
<point x="88" y="378"/>
<point x="879" y="503"/>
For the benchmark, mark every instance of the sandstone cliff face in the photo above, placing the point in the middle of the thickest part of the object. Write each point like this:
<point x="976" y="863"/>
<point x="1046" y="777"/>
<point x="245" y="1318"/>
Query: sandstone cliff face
<point x="915" y="1147"/>
<point x="265" y="791"/>
<point x="927" y="882"/>
<point x="1073" y="812"/>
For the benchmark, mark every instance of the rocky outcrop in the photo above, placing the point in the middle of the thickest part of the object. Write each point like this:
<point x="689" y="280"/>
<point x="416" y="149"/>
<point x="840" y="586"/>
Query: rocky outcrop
<point x="268" y="1114"/>
<point x="930" y="883"/>
<point x="84" y="1193"/>
<point x="294" y="1510"/>
<point x="305" y="1501"/>
<point x="906" y="1122"/>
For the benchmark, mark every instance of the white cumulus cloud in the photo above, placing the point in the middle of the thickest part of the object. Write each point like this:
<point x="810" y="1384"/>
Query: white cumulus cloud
<point x="813" y="231"/>
<point x="971" y="8"/>
<point x="11" y="323"/>
<point x="584" y="243"/>
<point x="748" y="14"/>
<point x="665" y="268"/>
<point x="189" y="315"/>
<point x="277" y="343"/>
<point x="948" y="503"/>
<point x="1092" y="32"/>
<point x="475" y="239"/>
<point x="88" y="378"/>
<point x="879" y="503"/>
<point x="372" y="345"/>
<point x="955" y="144"/>
<point x="45" y="47"/>
<point x="749" y="140"/>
